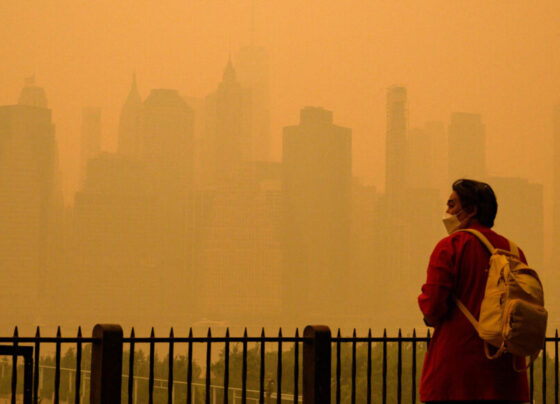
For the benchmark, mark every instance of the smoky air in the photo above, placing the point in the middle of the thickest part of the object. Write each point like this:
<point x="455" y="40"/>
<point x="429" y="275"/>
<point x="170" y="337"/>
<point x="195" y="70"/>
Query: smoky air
<point x="264" y="163"/>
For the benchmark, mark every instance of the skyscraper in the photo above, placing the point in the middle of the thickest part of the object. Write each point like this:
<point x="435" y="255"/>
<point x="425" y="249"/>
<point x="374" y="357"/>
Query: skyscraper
<point x="167" y="150"/>
<point x="129" y="123"/>
<point x="252" y="68"/>
<point x="427" y="157"/>
<point x="237" y="240"/>
<point x="395" y="146"/>
<point x="317" y="188"/>
<point x="467" y="146"/>
<point x="91" y="138"/>
<point x="113" y="243"/>
<point x="228" y="128"/>
<point x="30" y="201"/>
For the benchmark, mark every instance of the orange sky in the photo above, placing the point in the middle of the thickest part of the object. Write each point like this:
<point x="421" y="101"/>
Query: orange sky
<point x="497" y="58"/>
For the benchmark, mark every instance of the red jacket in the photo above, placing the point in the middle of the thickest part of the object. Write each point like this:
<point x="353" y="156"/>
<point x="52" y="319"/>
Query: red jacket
<point x="455" y="366"/>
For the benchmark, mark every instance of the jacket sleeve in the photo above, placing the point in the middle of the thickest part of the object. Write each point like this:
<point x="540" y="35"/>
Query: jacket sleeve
<point x="434" y="301"/>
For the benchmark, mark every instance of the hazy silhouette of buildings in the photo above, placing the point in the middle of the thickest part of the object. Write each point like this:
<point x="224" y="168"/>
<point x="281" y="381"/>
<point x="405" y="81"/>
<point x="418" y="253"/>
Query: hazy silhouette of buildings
<point x="130" y="140"/>
<point x="32" y="95"/>
<point x="90" y="146"/>
<point x="427" y="157"/>
<point x="252" y="67"/>
<point x="30" y="206"/>
<point x="467" y="146"/>
<point x="317" y="188"/>
<point x="228" y="133"/>
<point x="237" y="212"/>
<point x="114" y="242"/>
<point x="396" y="147"/>
<point x="167" y="150"/>
<point x="238" y="251"/>
<point x="520" y="216"/>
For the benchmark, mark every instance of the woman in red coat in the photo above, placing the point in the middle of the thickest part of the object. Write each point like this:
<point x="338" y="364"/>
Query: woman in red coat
<point x="455" y="367"/>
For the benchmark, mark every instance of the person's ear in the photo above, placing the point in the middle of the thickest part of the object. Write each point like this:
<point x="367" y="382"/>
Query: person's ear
<point x="473" y="212"/>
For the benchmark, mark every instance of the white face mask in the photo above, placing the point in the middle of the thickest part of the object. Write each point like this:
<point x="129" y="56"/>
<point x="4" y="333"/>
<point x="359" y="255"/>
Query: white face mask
<point x="451" y="222"/>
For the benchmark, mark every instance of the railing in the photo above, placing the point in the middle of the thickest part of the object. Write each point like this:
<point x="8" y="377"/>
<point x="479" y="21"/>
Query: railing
<point x="365" y="369"/>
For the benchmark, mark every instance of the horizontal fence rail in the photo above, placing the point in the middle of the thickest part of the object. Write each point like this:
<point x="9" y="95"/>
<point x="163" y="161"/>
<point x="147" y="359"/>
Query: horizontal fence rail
<point x="232" y="369"/>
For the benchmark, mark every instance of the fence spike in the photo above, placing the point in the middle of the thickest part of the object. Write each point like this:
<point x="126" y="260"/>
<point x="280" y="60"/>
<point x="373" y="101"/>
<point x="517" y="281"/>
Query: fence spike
<point x="262" y="333"/>
<point x="354" y="333"/>
<point x="152" y="334"/>
<point x="245" y="333"/>
<point x="209" y="332"/>
<point x="132" y="333"/>
<point x="338" y="333"/>
<point x="297" y="333"/>
<point x="227" y="332"/>
<point x="16" y="332"/>
<point x="37" y="333"/>
<point x="384" y="333"/>
<point x="58" y="333"/>
<point x="171" y="333"/>
<point x="280" y="332"/>
<point x="190" y="332"/>
<point x="400" y="333"/>
<point x="79" y="332"/>
<point x="429" y="333"/>
<point x="369" y="333"/>
<point x="414" y="333"/>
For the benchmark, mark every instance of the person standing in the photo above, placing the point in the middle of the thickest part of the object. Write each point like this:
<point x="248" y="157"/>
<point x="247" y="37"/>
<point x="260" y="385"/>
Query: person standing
<point x="456" y="368"/>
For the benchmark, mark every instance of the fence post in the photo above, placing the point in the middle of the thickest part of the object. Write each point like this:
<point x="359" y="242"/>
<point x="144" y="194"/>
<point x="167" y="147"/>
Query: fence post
<point x="317" y="365"/>
<point x="106" y="364"/>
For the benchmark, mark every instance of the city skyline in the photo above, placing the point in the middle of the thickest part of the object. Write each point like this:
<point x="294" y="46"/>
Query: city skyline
<point x="185" y="125"/>
<point x="144" y="216"/>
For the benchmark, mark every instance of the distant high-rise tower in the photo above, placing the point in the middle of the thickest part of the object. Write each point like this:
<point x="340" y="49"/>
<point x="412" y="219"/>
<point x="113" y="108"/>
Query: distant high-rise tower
<point x="228" y="125"/>
<point x="129" y="124"/>
<point x="32" y="95"/>
<point x="167" y="140"/>
<point x="395" y="146"/>
<point x="467" y="146"/>
<point x="252" y="68"/>
<point x="114" y="241"/>
<point x="167" y="150"/>
<point x="427" y="157"/>
<point x="29" y="202"/>
<point x="317" y="187"/>
<point x="91" y="138"/>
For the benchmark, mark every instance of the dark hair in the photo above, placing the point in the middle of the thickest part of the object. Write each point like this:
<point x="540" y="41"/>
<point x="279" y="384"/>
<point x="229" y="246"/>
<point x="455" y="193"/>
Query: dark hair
<point x="475" y="193"/>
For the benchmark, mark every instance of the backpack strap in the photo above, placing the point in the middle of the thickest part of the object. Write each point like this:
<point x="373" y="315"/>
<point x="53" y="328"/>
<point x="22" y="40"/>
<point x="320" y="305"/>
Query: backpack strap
<point x="513" y="248"/>
<point x="484" y="240"/>
<point x="460" y="304"/>
<point x="466" y="312"/>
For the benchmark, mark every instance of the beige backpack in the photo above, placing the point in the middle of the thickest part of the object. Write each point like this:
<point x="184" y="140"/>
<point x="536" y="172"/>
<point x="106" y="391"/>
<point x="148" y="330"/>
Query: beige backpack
<point x="512" y="314"/>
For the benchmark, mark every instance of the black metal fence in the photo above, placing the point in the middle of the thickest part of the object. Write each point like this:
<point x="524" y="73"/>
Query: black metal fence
<point x="364" y="369"/>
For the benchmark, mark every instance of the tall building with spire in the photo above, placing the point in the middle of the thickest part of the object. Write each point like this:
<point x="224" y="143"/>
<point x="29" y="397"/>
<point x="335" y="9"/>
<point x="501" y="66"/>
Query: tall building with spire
<point x="228" y="131"/>
<point x="130" y="141"/>
<point x="252" y="66"/>
<point x="30" y="202"/>
<point x="237" y="243"/>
